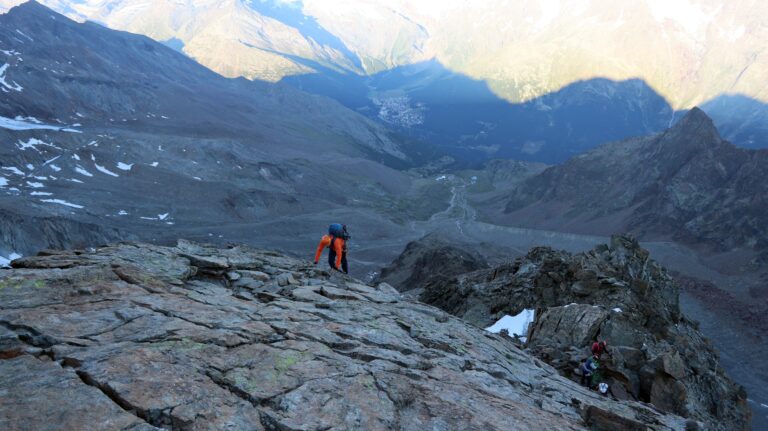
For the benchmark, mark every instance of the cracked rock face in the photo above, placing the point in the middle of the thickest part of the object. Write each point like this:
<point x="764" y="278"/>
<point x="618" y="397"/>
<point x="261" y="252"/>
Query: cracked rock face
<point x="140" y="337"/>
<point x="616" y="293"/>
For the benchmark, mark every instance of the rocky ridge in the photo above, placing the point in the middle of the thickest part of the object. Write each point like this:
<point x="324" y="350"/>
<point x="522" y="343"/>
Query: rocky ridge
<point x="685" y="184"/>
<point x="617" y="293"/>
<point x="140" y="337"/>
<point x="427" y="258"/>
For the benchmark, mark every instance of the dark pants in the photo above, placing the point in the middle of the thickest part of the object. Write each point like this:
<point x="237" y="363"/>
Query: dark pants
<point x="586" y="379"/>
<point x="332" y="260"/>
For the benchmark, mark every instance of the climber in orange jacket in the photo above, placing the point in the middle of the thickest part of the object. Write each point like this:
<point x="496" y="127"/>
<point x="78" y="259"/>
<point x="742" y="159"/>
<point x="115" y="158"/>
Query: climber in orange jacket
<point x="336" y="241"/>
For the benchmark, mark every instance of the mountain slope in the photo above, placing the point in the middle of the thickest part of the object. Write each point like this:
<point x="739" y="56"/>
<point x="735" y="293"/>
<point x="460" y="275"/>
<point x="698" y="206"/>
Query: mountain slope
<point x="110" y="77"/>
<point x="111" y="129"/>
<point x="693" y="52"/>
<point x="685" y="183"/>
<point x="235" y="38"/>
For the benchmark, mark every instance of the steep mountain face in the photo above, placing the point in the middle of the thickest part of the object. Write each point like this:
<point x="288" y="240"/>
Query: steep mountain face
<point x="529" y="57"/>
<point x="104" y="128"/>
<point x="685" y="183"/>
<point x="616" y="293"/>
<point x="135" y="337"/>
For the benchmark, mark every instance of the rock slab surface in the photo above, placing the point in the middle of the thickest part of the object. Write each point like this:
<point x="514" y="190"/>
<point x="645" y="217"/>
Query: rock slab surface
<point x="140" y="337"/>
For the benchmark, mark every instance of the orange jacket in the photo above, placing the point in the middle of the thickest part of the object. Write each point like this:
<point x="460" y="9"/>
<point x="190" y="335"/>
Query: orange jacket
<point x="338" y="247"/>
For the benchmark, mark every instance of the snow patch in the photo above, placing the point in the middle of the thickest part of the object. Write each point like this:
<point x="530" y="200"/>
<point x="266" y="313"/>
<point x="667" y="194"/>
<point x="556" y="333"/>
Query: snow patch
<point x="55" y="168"/>
<point x="76" y="180"/>
<point x="35" y="185"/>
<point x="16" y="124"/>
<point x="13" y="169"/>
<point x="34" y="144"/>
<point x="80" y="170"/>
<point x="162" y="216"/>
<point x="5" y="262"/>
<point x="122" y="213"/>
<point x="104" y="170"/>
<point x="516" y="325"/>
<point x="154" y="164"/>
<point x="3" y="182"/>
<point x="23" y="34"/>
<point x="41" y="194"/>
<point x="61" y="202"/>
<point x="618" y="310"/>
<point x="4" y="83"/>
<point x="124" y="166"/>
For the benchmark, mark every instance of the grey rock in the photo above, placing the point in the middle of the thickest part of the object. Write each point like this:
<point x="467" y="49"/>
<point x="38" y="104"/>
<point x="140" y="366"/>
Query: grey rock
<point x="286" y="279"/>
<point x="336" y="293"/>
<point x="255" y="275"/>
<point x="249" y="283"/>
<point x="35" y="392"/>
<point x="141" y="354"/>
<point x="614" y="292"/>
<point x="387" y="288"/>
<point x="570" y="325"/>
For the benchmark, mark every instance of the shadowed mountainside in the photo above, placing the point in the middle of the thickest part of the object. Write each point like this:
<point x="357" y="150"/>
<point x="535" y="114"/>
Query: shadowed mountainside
<point x="464" y="115"/>
<point x="685" y="183"/>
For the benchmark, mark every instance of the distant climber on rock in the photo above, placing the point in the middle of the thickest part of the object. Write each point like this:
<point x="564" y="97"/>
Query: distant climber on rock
<point x="588" y="370"/>
<point x="598" y="348"/>
<point x="336" y="241"/>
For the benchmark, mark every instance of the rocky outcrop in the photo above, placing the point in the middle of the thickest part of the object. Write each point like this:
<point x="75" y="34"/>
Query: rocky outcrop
<point x="26" y="234"/>
<point x="139" y="337"/>
<point x="616" y="293"/>
<point x="428" y="258"/>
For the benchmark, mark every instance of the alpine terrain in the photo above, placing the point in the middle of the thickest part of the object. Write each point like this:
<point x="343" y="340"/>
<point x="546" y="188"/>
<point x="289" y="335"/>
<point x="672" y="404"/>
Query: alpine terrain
<point x="553" y="214"/>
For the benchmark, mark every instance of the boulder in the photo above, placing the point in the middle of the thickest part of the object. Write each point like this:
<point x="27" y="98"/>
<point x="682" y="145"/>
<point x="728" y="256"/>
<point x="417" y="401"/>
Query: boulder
<point x="286" y="279"/>
<point x="570" y="325"/>
<point x="255" y="275"/>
